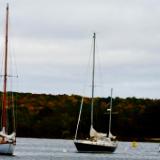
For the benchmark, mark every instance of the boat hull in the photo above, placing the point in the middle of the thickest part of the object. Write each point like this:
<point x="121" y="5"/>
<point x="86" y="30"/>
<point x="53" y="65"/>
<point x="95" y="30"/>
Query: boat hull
<point x="7" y="148"/>
<point x="84" y="147"/>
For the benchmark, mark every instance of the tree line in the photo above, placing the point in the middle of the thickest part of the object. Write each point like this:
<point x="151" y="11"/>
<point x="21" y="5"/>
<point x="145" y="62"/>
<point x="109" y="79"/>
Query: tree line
<point x="55" y="116"/>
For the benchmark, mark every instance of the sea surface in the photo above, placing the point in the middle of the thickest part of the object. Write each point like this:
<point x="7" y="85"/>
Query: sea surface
<point x="59" y="149"/>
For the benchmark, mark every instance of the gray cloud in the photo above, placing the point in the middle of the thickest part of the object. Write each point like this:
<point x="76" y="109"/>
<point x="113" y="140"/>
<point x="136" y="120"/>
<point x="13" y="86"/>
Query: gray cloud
<point x="52" y="43"/>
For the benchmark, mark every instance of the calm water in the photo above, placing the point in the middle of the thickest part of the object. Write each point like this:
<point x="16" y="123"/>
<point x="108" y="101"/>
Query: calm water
<point x="49" y="149"/>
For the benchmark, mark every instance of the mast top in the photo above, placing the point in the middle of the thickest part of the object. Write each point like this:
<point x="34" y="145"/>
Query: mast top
<point x="7" y="7"/>
<point x="94" y="35"/>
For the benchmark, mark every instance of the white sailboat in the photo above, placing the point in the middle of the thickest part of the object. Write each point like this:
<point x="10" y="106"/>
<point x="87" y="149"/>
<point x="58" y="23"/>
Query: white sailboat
<point x="7" y="141"/>
<point x="97" y="142"/>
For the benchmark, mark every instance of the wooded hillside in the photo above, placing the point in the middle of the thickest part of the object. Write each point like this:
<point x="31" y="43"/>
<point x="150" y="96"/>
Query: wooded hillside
<point x="55" y="116"/>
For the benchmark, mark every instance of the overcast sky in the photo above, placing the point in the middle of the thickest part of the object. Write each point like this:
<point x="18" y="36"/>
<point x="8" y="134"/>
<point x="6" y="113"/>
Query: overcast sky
<point x="52" y="40"/>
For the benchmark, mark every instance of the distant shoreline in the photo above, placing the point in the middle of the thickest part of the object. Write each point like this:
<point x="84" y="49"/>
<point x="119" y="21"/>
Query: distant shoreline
<point x="55" y="116"/>
<point x="156" y="140"/>
<point x="153" y="140"/>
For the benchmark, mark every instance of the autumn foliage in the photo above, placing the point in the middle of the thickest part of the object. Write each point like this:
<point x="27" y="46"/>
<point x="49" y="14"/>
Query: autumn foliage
<point x="55" y="116"/>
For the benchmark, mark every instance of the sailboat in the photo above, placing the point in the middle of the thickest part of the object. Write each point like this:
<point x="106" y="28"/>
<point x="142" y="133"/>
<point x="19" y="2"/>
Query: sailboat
<point x="7" y="141"/>
<point x="97" y="142"/>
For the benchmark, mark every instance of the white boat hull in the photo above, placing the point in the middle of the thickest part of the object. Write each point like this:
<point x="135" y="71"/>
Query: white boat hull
<point x="7" y="148"/>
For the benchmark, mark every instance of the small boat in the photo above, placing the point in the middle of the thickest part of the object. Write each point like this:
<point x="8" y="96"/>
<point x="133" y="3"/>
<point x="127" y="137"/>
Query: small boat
<point x="97" y="142"/>
<point x="7" y="134"/>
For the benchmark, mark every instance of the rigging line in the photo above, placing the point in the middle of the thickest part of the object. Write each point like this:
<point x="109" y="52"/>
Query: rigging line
<point x="87" y="72"/>
<point x="79" y="119"/>
<point x="12" y="49"/>
<point x="2" y="68"/>
<point x="1" y="107"/>
<point x="2" y="63"/>
<point x="84" y="86"/>
<point x="13" y="59"/>
<point x="99" y="71"/>
<point x="2" y="57"/>
<point x="13" y="111"/>
<point x="1" y="79"/>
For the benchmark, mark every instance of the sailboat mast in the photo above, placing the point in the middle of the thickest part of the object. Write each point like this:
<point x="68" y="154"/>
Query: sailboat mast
<point x="93" y="72"/>
<point x="4" y="121"/>
<point x="110" y="111"/>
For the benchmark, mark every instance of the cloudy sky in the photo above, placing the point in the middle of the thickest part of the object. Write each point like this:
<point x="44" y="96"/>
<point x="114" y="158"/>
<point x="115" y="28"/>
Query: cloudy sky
<point x="52" y="41"/>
